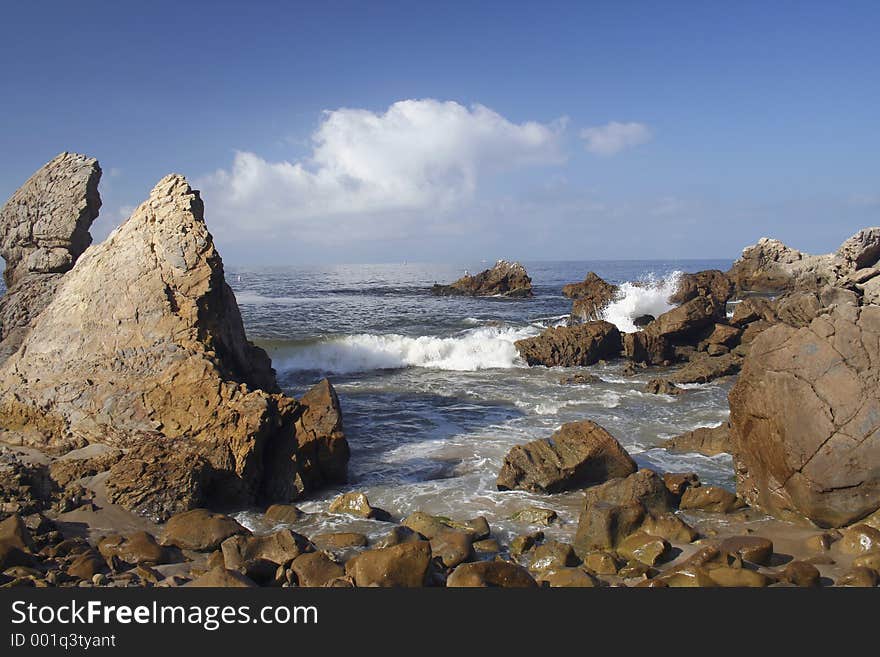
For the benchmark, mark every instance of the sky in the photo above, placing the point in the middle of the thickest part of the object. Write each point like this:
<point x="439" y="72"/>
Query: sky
<point x="347" y="132"/>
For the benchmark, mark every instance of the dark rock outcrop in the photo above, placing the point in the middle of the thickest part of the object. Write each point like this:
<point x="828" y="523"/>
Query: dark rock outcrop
<point x="506" y="279"/>
<point x="805" y="418"/>
<point x="572" y="346"/>
<point x="44" y="229"/>
<point x="590" y="297"/>
<point x="578" y="454"/>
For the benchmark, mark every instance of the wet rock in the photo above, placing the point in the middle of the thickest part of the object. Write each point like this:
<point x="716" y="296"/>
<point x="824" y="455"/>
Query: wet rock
<point x="429" y="526"/>
<point x="603" y="525"/>
<point x="713" y="499"/>
<point x="525" y="543"/>
<point x="507" y="279"/>
<point x="398" y="535"/>
<point x="821" y="542"/>
<point x="690" y="577"/>
<point x="678" y="482"/>
<point x="452" y="547"/>
<point x="754" y="549"/>
<point x="803" y="429"/>
<point x="553" y="555"/>
<point x="286" y="513"/>
<point x="339" y="540"/>
<point x="478" y="528"/>
<point x="738" y="577"/>
<point x="647" y="348"/>
<point x="858" y="577"/>
<point x="221" y="578"/>
<point x="487" y="546"/>
<point x="357" y="504"/>
<point x="579" y="379"/>
<point x="490" y="574"/>
<point x="578" y="454"/>
<point x="869" y="560"/>
<point x="801" y="573"/>
<point x="644" y="487"/>
<point x="44" y="229"/>
<point x="566" y="578"/>
<point x="572" y="346"/>
<point x="860" y="539"/>
<point x="590" y="297"/>
<point x="535" y="515"/>
<point x="279" y="548"/>
<point x="200" y="530"/>
<point x="404" y="565"/>
<point x="86" y="565"/>
<point x="670" y="527"/>
<point x="601" y="563"/>
<point x="643" y="548"/>
<point x="709" y="441"/>
<point x="662" y="387"/>
<point x="316" y="569"/>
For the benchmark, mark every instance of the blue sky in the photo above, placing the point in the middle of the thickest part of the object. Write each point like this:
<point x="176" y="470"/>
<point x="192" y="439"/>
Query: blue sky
<point x="384" y="131"/>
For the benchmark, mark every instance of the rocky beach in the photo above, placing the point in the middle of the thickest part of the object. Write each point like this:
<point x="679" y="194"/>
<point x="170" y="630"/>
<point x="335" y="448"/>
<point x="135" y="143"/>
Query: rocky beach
<point x="166" y="423"/>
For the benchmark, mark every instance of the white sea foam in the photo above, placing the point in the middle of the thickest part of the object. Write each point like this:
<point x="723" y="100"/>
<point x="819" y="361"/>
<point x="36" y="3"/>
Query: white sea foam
<point x="649" y="297"/>
<point x="475" y="349"/>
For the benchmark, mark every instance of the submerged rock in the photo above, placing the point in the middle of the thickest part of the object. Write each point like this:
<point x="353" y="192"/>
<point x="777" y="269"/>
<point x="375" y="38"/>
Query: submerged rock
<point x="805" y="414"/>
<point x="506" y="279"/>
<point x="44" y="229"/>
<point x="142" y="345"/>
<point x="578" y="454"/>
<point x="572" y="346"/>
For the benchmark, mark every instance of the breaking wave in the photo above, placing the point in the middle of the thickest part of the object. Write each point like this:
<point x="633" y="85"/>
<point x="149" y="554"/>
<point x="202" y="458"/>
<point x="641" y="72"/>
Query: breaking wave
<point x="475" y="349"/>
<point x="647" y="297"/>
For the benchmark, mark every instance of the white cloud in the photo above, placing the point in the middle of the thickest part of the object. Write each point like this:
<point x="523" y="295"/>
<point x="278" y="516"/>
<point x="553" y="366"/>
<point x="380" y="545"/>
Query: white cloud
<point x="418" y="156"/>
<point x="611" y="138"/>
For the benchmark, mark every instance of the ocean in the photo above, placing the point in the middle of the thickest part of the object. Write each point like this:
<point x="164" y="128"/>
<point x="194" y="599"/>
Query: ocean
<point x="434" y="394"/>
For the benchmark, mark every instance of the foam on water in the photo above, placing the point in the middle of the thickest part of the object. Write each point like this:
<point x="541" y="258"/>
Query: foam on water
<point x="475" y="349"/>
<point x="647" y="297"/>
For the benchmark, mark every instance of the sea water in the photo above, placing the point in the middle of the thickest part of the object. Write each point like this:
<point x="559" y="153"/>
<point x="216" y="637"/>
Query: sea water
<point x="434" y="394"/>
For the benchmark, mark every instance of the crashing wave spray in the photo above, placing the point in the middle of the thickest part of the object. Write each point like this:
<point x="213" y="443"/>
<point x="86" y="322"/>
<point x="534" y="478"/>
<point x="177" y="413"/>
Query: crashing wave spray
<point x="647" y="297"/>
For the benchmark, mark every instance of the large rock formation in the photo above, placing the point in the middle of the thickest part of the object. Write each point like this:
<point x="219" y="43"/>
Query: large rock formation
<point x="44" y="228"/>
<point x="771" y="266"/>
<point x="572" y="346"/>
<point x="805" y="418"/>
<point x="710" y="283"/>
<point x="143" y="344"/>
<point x="590" y="297"/>
<point x="506" y="279"/>
<point x="578" y="454"/>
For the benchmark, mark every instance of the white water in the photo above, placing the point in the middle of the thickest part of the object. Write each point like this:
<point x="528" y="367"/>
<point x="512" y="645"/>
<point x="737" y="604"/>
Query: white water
<point x="650" y="297"/>
<point x="475" y="349"/>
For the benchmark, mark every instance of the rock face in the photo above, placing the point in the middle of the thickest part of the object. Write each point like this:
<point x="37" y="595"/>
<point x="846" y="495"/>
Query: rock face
<point x="572" y="346"/>
<point x="143" y="343"/>
<point x="709" y="441"/>
<point x="590" y="297"/>
<point x="771" y="266"/>
<point x="805" y="415"/>
<point x="44" y="228"/>
<point x="506" y="279"/>
<point x="710" y="283"/>
<point x="578" y="454"/>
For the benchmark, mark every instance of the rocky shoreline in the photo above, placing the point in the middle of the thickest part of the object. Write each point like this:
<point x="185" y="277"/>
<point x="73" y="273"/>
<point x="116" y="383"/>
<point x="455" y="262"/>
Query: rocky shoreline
<point x="135" y="411"/>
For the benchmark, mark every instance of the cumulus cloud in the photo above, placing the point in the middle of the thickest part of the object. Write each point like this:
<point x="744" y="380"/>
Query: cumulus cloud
<point x="418" y="155"/>
<point x="611" y="138"/>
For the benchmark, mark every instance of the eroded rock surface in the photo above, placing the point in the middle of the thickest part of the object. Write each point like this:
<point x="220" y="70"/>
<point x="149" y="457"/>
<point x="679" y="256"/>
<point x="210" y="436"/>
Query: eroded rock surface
<point x="507" y="279"/>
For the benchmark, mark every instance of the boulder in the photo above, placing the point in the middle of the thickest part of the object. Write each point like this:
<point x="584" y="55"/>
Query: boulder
<point x="644" y="487"/>
<point x="506" y="279"/>
<point x="754" y="549"/>
<point x="535" y="515"/>
<point x="404" y="565"/>
<point x="571" y="346"/>
<point x="357" y="504"/>
<point x="200" y="529"/>
<point x="578" y="454"/>
<point x="861" y="250"/>
<point x="315" y="569"/>
<point x="566" y="578"/>
<point x="713" y="499"/>
<point x="279" y="548"/>
<point x="483" y="574"/>
<point x="452" y="547"/>
<point x="662" y="387"/>
<point x="668" y="526"/>
<point x="858" y="577"/>
<point x="723" y="335"/>
<point x="859" y="539"/>
<point x="678" y="482"/>
<point x="44" y="229"/>
<point x="801" y="573"/>
<point x="648" y="348"/>
<point x="590" y="297"/>
<point x="711" y="284"/>
<point x="339" y="540"/>
<point x="686" y="321"/>
<point x="220" y="577"/>
<point x="167" y="360"/>
<point x="770" y="266"/>
<point x="752" y="309"/>
<point x="552" y="555"/>
<point x="643" y="547"/>
<point x="709" y="441"/>
<point x="136" y="548"/>
<point x="283" y="513"/>
<point x="704" y="368"/>
<point x="804" y="416"/>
